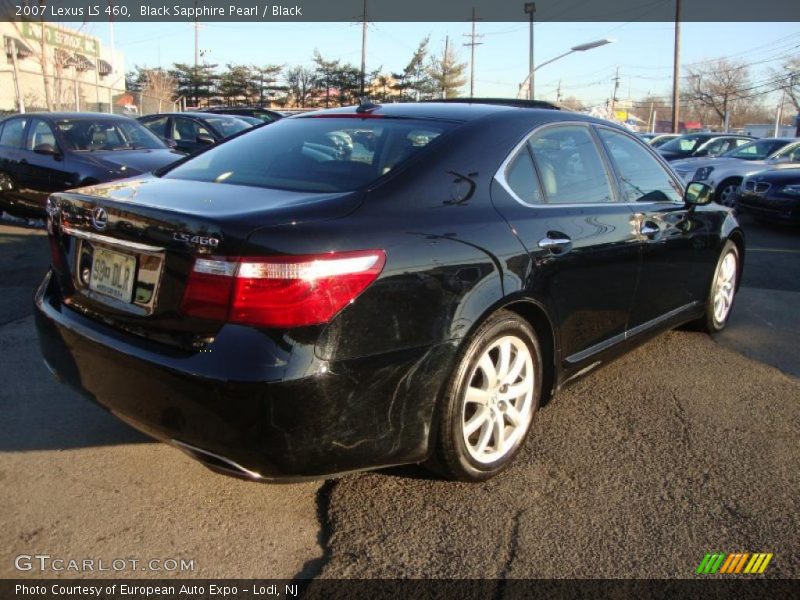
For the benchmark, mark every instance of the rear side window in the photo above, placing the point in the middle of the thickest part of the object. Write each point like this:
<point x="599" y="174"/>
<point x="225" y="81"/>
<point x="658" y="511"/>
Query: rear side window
<point x="313" y="154"/>
<point x="12" y="134"/>
<point x="569" y="165"/>
<point x="521" y="178"/>
<point x="642" y="178"/>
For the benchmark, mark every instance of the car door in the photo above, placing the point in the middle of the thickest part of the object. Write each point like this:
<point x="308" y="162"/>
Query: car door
<point x="158" y="124"/>
<point x="44" y="173"/>
<point x="676" y="244"/>
<point x="557" y="193"/>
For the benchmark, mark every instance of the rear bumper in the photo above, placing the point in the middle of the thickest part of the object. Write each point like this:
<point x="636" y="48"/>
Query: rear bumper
<point x="300" y="418"/>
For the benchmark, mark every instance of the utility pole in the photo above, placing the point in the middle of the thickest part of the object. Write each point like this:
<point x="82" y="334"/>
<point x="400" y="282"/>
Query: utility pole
<point x="364" y="25"/>
<point x="558" y="92"/>
<point x="196" y="58"/>
<point x="445" y="67"/>
<point x="614" y="95"/>
<point x="530" y="9"/>
<point x="472" y="43"/>
<point x="676" y="71"/>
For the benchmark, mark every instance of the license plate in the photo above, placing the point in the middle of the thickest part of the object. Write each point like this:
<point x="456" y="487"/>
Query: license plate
<point x="113" y="274"/>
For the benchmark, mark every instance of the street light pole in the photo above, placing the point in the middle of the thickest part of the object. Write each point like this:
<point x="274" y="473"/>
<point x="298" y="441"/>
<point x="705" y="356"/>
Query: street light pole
<point x="530" y="9"/>
<point x="578" y="48"/>
<point x="676" y="70"/>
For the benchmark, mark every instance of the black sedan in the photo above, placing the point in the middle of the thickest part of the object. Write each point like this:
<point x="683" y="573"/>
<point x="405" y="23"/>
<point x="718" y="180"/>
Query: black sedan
<point x="412" y="296"/>
<point x="694" y="145"/>
<point x="193" y="131"/>
<point x="772" y="195"/>
<point x="42" y="153"/>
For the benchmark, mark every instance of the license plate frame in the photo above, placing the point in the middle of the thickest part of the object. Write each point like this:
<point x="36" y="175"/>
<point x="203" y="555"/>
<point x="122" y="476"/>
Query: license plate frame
<point x="115" y="275"/>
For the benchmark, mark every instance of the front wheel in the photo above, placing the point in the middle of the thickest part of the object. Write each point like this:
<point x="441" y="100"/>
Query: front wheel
<point x="727" y="192"/>
<point x="490" y="401"/>
<point x="723" y="289"/>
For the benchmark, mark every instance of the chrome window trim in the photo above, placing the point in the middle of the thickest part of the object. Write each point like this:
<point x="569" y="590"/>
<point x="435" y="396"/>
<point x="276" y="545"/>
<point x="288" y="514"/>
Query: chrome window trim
<point x="500" y="174"/>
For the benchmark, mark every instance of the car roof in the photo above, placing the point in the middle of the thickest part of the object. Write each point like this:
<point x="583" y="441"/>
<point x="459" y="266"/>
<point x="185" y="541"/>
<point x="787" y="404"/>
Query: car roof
<point x="192" y="114"/>
<point x="463" y="110"/>
<point x="57" y="116"/>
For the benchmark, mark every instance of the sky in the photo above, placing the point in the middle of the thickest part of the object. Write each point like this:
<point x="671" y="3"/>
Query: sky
<point x="641" y="51"/>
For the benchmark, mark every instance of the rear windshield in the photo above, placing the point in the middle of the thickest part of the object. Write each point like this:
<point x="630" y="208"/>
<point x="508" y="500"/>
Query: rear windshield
<point x="758" y="150"/>
<point x="227" y="126"/>
<point x="107" y="134"/>
<point x="313" y="154"/>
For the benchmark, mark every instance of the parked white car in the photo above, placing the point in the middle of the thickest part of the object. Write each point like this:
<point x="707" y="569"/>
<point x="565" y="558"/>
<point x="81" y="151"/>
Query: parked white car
<point x="725" y="173"/>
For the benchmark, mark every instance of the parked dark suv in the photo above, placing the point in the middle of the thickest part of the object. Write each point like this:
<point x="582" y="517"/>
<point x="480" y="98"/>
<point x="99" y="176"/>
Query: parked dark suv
<point x="42" y="153"/>
<point x="190" y="132"/>
<point x="379" y="285"/>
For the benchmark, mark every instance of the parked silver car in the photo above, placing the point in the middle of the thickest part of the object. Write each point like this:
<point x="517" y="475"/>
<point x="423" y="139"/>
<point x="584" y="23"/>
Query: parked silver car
<point x="725" y="173"/>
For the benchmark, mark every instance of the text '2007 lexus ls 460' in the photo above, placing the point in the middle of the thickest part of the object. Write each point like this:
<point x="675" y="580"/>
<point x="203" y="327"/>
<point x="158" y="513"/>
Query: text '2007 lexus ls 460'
<point x="379" y="285"/>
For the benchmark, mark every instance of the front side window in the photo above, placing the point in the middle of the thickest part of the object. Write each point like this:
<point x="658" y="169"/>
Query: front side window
<point x="40" y="134"/>
<point x="642" y="178"/>
<point x="569" y="165"/>
<point x="188" y="129"/>
<point x="313" y="154"/>
<point x="790" y="153"/>
<point x="12" y="134"/>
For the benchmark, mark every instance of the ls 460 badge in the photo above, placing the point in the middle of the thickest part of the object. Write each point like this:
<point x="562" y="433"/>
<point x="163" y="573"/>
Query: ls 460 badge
<point x="200" y="240"/>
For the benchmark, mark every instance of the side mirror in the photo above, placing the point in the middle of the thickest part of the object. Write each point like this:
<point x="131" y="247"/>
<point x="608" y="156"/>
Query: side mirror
<point x="46" y="149"/>
<point x="204" y="139"/>
<point x="698" y="194"/>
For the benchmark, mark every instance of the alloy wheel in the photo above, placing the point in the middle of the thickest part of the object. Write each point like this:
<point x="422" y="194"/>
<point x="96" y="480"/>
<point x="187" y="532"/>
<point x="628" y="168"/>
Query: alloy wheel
<point x="498" y="402"/>
<point x="727" y="195"/>
<point x="725" y="287"/>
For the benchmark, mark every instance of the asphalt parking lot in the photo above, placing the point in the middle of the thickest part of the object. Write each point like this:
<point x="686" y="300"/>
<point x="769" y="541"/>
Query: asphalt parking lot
<point x="686" y="446"/>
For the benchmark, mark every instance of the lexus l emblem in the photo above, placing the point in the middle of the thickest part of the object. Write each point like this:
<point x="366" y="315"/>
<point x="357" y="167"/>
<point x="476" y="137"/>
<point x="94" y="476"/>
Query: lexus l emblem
<point x="99" y="218"/>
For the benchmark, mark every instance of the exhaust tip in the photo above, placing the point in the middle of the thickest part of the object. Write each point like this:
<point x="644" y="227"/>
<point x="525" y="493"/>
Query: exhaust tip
<point x="218" y="463"/>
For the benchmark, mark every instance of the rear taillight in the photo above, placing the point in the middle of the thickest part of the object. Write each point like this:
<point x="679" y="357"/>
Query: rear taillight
<point x="289" y="291"/>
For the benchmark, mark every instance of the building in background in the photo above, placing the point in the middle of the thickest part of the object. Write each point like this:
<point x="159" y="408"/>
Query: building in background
<point x="51" y="67"/>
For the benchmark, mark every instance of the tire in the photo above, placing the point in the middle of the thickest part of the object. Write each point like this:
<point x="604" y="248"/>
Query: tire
<point x="490" y="401"/>
<point x="722" y="289"/>
<point x="726" y="192"/>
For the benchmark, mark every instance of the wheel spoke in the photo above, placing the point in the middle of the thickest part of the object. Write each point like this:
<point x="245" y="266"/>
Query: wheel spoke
<point x="515" y="391"/>
<point x="513" y="414"/>
<point x="477" y="396"/>
<point x="516" y="369"/>
<point x="486" y="365"/>
<point x="504" y="361"/>
<point x="499" y="427"/>
<point x="485" y="436"/>
<point x="479" y="418"/>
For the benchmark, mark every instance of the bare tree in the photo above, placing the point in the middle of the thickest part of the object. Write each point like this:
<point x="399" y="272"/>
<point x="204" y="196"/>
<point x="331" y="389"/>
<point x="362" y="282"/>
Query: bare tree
<point x="788" y="79"/>
<point x="159" y="86"/>
<point x="717" y="87"/>
<point x="299" y="81"/>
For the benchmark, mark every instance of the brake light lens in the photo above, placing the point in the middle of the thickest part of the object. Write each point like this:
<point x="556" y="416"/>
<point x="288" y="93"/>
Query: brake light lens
<point x="285" y="291"/>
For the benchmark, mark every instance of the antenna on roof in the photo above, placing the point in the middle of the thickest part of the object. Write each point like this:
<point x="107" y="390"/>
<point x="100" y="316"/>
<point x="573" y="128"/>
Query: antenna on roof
<point x="364" y="104"/>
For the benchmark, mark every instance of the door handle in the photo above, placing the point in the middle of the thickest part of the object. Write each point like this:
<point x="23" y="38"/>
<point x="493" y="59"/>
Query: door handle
<point x="557" y="243"/>
<point x="649" y="229"/>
